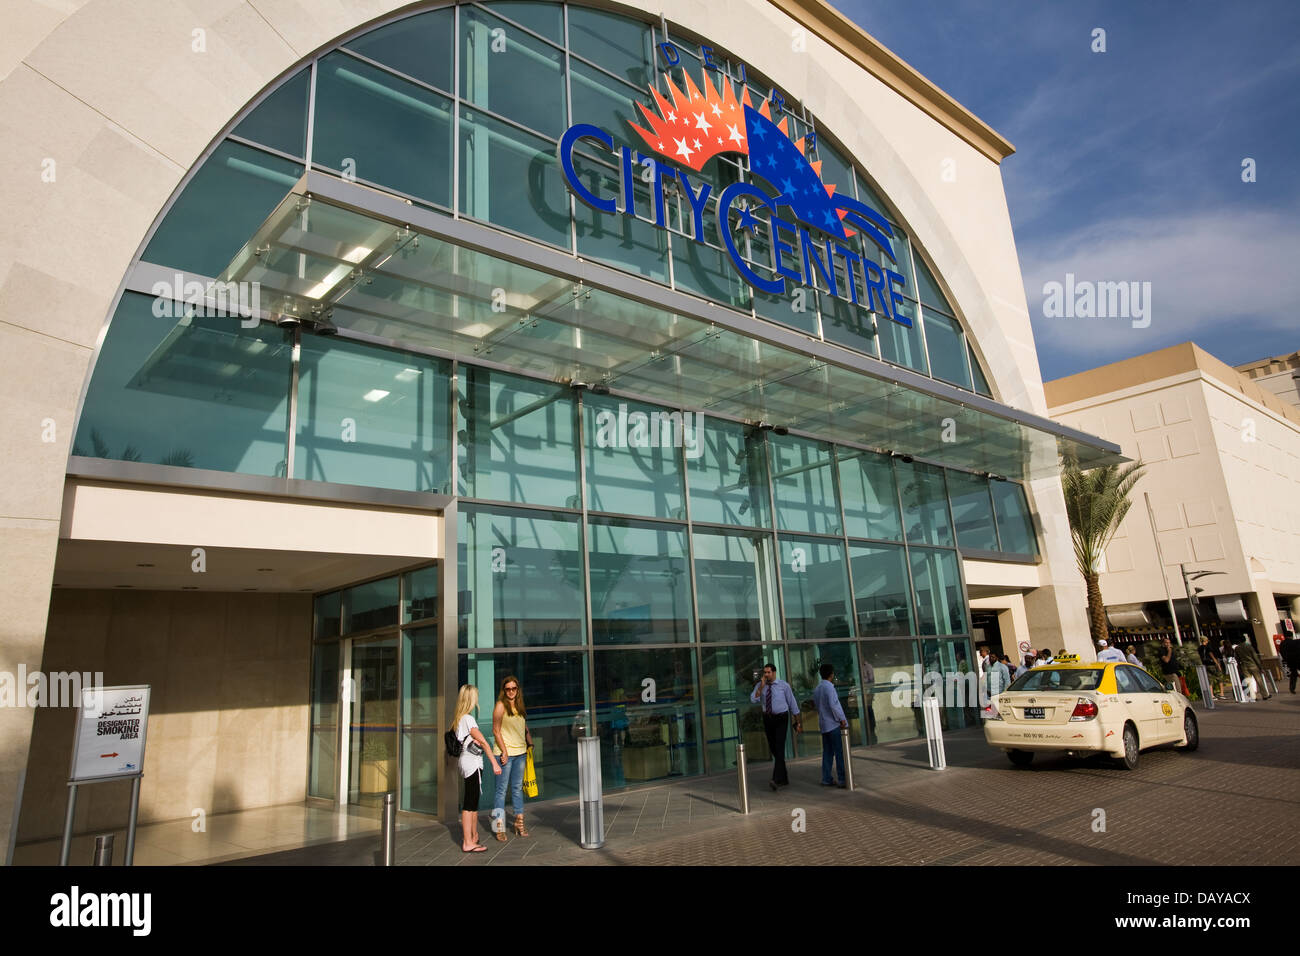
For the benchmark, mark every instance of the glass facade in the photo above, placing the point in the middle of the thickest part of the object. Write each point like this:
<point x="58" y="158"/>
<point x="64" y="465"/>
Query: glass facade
<point x="633" y="565"/>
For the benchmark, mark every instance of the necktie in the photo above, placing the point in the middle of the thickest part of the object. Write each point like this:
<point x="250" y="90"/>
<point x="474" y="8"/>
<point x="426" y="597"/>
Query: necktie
<point x="767" y="708"/>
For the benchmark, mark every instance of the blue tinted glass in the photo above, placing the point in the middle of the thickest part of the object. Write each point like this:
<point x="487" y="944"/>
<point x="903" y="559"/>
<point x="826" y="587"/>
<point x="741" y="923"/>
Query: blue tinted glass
<point x="280" y="120"/>
<point x="640" y="584"/>
<point x="196" y="393"/>
<point x="947" y="348"/>
<point x="803" y="484"/>
<point x="370" y="605"/>
<point x="623" y="241"/>
<point x="728" y="478"/>
<point x="940" y="605"/>
<point x="901" y="344"/>
<point x="382" y="129"/>
<point x="544" y="18"/>
<point x="845" y="323"/>
<point x="729" y="715"/>
<point x="981" y="383"/>
<point x="511" y="179"/>
<point x="931" y="295"/>
<point x="619" y="44"/>
<point x="516" y="438"/>
<point x="925" y="504"/>
<point x="880" y="590"/>
<point x="420" y="594"/>
<point x="870" y="495"/>
<point x="655" y="736"/>
<point x="1014" y="523"/>
<point x="736" y="584"/>
<point x="634" y="457"/>
<point x="419" y="46"/>
<point x="511" y="73"/>
<point x="815" y="587"/>
<point x="972" y="511"/>
<point x="605" y="102"/>
<point x="371" y="416"/>
<point x="231" y="195"/>
<point x="521" y="579"/>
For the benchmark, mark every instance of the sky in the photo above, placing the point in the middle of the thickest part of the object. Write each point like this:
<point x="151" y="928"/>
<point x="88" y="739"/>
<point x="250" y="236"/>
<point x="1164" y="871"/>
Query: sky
<point x="1129" y="162"/>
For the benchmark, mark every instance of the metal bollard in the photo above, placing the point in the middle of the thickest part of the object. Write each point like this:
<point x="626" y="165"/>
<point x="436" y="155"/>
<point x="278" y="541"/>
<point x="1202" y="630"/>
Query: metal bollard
<point x="848" y="758"/>
<point x="103" y="851"/>
<point x="934" y="733"/>
<point x="742" y="778"/>
<point x="1234" y="673"/>
<point x="591" y="819"/>
<point x="389" y="832"/>
<point x="1207" y="691"/>
<point x="1269" y="682"/>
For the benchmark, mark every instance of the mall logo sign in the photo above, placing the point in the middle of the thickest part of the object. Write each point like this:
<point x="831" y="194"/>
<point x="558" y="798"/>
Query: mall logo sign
<point x="626" y="429"/>
<point x="180" y="299"/>
<point x="691" y="127"/>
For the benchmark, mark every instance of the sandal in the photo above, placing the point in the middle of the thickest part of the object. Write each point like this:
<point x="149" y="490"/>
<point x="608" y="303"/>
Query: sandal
<point x="476" y="848"/>
<point x="519" y="827"/>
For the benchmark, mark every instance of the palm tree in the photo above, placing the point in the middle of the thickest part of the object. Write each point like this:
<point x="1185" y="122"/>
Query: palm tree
<point x="1096" y="501"/>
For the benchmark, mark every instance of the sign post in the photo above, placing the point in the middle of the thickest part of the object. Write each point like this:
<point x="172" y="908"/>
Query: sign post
<point x="108" y="744"/>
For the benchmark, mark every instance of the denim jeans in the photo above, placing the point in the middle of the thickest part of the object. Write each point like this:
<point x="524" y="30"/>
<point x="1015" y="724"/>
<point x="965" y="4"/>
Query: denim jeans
<point x="512" y="775"/>
<point x="832" y="749"/>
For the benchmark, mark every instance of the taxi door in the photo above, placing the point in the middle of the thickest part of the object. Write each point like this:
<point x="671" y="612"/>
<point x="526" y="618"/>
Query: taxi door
<point x="1166" y="704"/>
<point x="1140" y="701"/>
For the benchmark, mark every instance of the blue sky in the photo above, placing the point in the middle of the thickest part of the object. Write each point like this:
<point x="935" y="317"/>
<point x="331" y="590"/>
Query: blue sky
<point x="1128" y="163"/>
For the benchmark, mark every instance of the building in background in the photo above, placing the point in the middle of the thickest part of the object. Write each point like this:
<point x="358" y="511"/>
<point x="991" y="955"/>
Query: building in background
<point x="358" y="353"/>
<point x="1223" y="476"/>
<point x="1279" y="375"/>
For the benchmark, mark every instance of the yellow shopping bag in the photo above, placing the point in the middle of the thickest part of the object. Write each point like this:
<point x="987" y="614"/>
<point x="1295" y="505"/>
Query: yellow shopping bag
<point x="530" y="776"/>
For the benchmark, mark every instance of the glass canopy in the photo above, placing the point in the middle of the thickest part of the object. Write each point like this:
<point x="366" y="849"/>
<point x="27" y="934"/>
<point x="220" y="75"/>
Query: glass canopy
<point x="327" y="262"/>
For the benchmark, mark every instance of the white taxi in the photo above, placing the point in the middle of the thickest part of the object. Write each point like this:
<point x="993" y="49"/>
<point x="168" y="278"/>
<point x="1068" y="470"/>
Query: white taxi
<point x="1079" y="707"/>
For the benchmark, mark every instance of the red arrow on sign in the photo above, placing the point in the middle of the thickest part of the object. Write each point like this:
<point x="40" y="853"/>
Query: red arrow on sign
<point x="108" y="755"/>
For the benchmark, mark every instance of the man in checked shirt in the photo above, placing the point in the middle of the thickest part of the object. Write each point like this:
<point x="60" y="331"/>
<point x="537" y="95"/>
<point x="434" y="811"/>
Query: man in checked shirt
<point x="777" y="701"/>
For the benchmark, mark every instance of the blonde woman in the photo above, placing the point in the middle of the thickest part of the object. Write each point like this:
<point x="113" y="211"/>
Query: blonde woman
<point x="513" y="741"/>
<point x="473" y="746"/>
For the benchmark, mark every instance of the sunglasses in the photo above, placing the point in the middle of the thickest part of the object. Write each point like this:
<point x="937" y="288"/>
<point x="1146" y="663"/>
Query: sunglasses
<point x="512" y="687"/>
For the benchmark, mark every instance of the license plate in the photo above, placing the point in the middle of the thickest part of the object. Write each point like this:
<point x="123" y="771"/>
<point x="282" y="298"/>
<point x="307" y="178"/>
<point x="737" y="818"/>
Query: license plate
<point x="1035" y="712"/>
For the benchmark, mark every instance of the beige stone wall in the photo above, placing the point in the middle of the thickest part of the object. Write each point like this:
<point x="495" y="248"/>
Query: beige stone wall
<point x="228" y="722"/>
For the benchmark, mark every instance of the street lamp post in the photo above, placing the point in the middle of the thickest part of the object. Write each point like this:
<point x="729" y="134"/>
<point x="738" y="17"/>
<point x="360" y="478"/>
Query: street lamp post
<point x="1188" y="577"/>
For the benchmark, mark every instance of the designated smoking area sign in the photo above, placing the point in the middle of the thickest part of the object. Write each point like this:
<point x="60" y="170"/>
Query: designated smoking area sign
<point x="108" y="744"/>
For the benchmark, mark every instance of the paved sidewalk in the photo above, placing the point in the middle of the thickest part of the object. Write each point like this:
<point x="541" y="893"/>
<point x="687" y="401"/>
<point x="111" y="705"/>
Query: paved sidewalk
<point x="1233" y="802"/>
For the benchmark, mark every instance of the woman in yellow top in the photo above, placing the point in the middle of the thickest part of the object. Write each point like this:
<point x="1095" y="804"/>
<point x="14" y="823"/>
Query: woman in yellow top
<point x="512" y="743"/>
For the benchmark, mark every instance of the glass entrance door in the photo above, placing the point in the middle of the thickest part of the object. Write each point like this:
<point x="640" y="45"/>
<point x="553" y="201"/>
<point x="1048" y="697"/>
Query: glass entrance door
<point x="372" y="727"/>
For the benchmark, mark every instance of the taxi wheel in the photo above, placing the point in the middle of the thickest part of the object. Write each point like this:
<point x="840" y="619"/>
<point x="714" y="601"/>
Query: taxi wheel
<point x="1130" y="758"/>
<point x="1021" y="758"/>
<point x="1191" y="732"/>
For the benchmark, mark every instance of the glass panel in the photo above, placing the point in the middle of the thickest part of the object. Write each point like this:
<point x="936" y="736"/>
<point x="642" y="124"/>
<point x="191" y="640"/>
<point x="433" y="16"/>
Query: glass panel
<point x="870" y="495"/>
<point x="972" y="511"/>
<point x="728" y="478"/>
<point x="324" y="721"/>
<point x="836" y="170"/>
<point x="231" y="195"/>
<point x="880" y="591"/>
<point x="372" y="733"/>
<point x="805" y="675"/>
<point x="647" y="739"/>
<point x="511" y="179"/>
<point x="188" y="392"/>
<point x="947" y="347"/>
<point x="890" y="674"/>
<point x="814" y="584"/>
<point x="420" y="593"/>
<point x="521" y="580"/>
<point x="626" y="242"/>
<point x="928" y="288"/>
<point x="421" y="723"/>
<point x="419" y="46"/>
<point x="705" y="270"/>
<point x="899" y="343"/>
<point x="619" y="44"/>
<point x="845" y="323"/>
<point x="940" y="604"/>
<point x="925" y="504"/>
<point x="1014" y="523"/>
<point x="955" y="683"/>
<point x="382" y="130"/>
<point x="516" y="439"/>
<point x="640" y="585"/>
<point x="730" y="674"/>
<point x="371" y="416"/>
<point x="511" y="73"/>
<point x="634" y="458"/>
<point x="370" y="605"/>
<point x="603" y="101"/>
<point x="327" y="613"/>
<point x="981" y="383"/>
<point x="736" y="586"/>
<point x="543" y="18"/>
<point x="803" y="484"/>
<point x="280" y="120"/>
<point x="553" y="685"/>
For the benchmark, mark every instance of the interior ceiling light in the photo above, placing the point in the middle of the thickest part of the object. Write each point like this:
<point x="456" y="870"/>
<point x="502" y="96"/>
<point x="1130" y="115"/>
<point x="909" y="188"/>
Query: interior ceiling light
<point x="375" y="394"/>
<point x="336" y="275"/>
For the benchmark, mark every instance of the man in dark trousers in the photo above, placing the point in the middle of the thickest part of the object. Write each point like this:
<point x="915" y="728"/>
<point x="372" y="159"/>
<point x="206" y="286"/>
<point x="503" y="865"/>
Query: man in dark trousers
<point x="1291" y="655"/>
<point x="777" y="700"/>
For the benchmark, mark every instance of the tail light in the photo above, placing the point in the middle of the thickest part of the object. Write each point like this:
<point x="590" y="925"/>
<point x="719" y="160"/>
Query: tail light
<point x="1085" y="709"/>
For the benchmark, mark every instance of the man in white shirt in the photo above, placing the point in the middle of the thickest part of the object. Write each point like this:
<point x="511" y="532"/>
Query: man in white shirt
<point x="1108" y="653"/>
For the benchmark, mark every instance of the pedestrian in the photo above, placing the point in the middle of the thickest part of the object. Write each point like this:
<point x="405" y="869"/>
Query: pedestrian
<point x="1108" y="653"/>
<point x="512" y="741"/>
<point x="999" y="678"/>
<point x="1132" y="657"/>
<point x="1169" y="663"/>
<point x="473" y="746"/>
<point x="830" y="720"/>
<point x="1044" y="658"/>
<point x="1291" y="657"/>
<point x="1213" y="666"/>
<point x="779" y="709"/>
<point x="1248" y="660"/>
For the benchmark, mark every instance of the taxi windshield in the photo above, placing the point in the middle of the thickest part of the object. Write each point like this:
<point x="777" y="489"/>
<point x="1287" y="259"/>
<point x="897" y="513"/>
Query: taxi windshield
<point x="1059" y="678"/>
